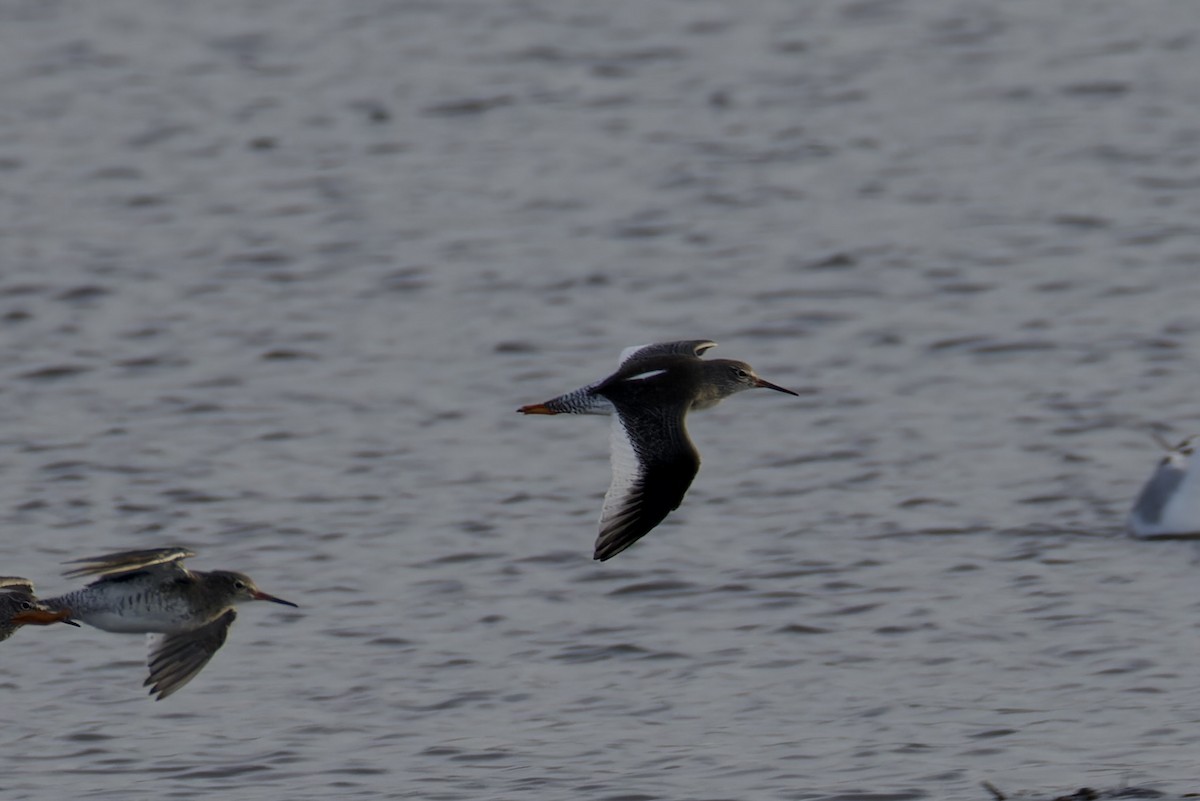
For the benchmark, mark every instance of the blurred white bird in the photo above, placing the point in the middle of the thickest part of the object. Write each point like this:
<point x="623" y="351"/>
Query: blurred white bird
<point x="1169" y="503"/>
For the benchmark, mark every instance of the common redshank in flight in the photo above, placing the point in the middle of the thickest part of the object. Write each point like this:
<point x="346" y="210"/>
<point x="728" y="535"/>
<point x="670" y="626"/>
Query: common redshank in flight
<point x="653" y="459"/>
<point x="150" y="592"/>
<point x="20" y="607"/>
<point x="1169" y="503"/>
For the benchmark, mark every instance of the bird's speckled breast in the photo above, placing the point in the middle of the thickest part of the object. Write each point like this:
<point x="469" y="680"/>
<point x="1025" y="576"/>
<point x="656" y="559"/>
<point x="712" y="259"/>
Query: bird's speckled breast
<point x="129" y="607"/>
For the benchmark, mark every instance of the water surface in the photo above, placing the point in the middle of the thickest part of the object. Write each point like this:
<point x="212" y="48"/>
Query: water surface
<point x="275" y="277"/>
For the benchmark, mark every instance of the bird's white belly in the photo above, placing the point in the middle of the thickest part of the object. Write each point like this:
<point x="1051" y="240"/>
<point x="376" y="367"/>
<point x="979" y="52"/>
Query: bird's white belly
<point x="144" y="622"/>
<point x="1181" y="515"/>
<point x="130" y="607"/>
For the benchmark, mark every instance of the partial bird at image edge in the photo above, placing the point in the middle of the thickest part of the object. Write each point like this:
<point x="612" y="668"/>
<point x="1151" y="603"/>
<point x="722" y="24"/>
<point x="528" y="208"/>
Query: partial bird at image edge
<point x="1168" y="505"/>
<point x="19" y="607"/>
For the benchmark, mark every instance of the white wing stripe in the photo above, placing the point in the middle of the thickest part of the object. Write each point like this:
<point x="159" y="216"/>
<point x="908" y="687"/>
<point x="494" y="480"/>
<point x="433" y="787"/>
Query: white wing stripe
<point x="626" y="471"/>
<point x="644" y="376"/>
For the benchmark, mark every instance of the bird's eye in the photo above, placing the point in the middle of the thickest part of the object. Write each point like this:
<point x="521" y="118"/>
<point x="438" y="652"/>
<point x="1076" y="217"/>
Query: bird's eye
<point x="26" y="606"/>
<point x="241" y="585"/>
<point x="740" y="373"/>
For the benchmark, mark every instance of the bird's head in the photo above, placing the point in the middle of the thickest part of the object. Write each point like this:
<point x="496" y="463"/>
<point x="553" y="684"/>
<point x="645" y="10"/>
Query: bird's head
<point x="242" y="588"/>
<point x="734" y="376"/>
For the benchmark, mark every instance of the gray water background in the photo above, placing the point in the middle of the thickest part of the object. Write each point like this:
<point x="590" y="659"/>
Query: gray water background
<point x="275" y="275"/>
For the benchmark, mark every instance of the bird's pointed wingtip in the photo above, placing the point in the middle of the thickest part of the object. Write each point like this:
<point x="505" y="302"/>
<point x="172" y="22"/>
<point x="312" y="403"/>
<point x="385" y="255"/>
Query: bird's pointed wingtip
<point x="608" y="547"/>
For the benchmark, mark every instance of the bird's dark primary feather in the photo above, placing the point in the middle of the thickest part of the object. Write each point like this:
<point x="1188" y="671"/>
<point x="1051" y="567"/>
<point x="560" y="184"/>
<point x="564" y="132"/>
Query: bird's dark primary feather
<point x="177" y="658"/>
<point x="122" y="561"/>
<point x="690" y="348"/>
<point x="666" y="464"/>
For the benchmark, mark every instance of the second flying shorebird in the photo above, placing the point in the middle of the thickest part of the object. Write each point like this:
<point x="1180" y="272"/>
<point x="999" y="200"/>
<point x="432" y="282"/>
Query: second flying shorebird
<point x="149" y="591"/>
<point x="653" y="459"/>
<point x="20" y="607"/>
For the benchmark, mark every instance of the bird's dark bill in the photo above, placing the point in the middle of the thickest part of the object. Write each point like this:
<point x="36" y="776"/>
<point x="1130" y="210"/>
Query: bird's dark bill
<point x="758" y="382"/>
<point x="259" y="595"/>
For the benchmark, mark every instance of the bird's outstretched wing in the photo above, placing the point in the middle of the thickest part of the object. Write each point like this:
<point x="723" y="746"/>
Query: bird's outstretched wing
<point x="175" y="659"/>
<point x="653" y="464"/>
<point x="119" y="562"/>
<point x="687" y="347"/>
<point x="16" y="584"/>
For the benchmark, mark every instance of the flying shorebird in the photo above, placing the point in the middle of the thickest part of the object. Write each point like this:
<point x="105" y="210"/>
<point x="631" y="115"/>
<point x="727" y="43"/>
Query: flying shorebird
<point x="20" y="607"/>
<point x="653" y="460"/>
<point x="151" y="592"/>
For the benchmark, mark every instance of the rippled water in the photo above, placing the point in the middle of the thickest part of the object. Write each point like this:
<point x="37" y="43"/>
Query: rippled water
<point x="275" y="277"/>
